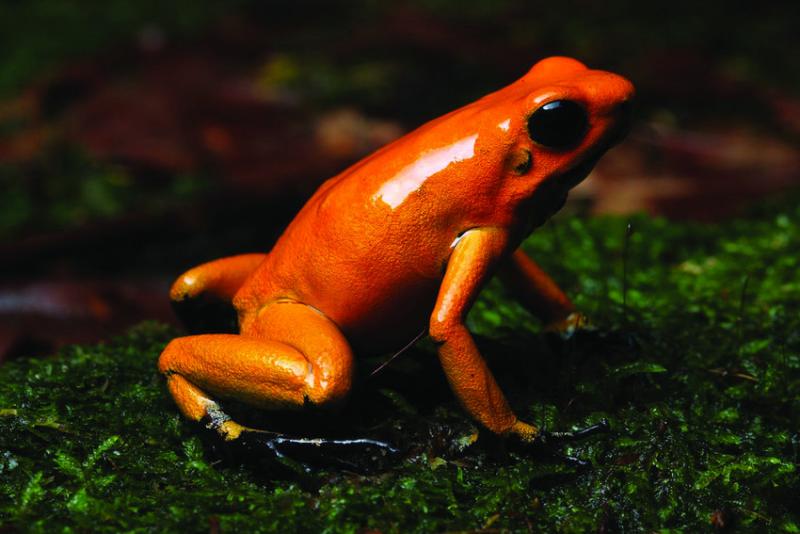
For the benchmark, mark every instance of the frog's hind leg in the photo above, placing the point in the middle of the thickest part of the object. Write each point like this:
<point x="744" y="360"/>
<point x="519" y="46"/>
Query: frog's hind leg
<point x="296" y="357"/>
<point x="201" y="368"/>
<point x="291" y="356"/>
<point x="540" y="294"/>
<point x="202" y="296"/>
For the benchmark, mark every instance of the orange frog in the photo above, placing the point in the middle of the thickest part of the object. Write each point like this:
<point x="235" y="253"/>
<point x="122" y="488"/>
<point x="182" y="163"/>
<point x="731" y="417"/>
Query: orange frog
<point x="401" y="243"/>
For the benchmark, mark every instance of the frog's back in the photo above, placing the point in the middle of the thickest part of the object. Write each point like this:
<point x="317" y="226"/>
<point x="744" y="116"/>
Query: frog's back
<point x="370" y="246"/>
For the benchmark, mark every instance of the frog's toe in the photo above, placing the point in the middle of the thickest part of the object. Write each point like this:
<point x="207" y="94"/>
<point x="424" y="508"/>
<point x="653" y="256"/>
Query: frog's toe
<point x="185" y="287"/>
<point x="546" y="443"/>
<point x="225" y="427"/>
<point x="553" y="438"/>
<point x="570" y="325"/>
<point x="230" y="430"/>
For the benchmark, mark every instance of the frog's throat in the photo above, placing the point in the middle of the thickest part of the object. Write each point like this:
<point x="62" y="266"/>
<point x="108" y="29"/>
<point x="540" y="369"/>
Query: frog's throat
<point x="577" y="174"/>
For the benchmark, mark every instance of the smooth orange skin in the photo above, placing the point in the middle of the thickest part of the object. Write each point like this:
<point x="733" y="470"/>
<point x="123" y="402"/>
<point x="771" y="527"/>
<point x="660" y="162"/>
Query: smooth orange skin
<point x="399" y="243"/>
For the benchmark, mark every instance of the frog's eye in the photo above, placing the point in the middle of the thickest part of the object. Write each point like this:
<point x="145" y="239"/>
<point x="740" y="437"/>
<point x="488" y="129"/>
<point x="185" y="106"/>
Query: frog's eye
<point x="558" y="124"/>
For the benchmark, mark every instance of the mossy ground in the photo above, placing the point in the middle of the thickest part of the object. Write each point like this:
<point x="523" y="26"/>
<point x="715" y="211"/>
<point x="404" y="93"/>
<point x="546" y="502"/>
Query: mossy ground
<point x="698" y="372"/>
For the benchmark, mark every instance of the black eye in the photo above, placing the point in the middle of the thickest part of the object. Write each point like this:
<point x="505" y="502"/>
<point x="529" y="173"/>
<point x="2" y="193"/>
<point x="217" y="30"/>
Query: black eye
<point x="559" y="124"/>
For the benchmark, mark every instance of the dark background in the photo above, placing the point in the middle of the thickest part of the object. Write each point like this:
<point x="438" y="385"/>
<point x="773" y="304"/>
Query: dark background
<point x="139" y="139"/>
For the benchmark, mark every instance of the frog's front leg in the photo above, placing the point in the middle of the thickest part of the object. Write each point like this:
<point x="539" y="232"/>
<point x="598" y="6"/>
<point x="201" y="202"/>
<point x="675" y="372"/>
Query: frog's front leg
<point x="540" y="294"/>
<point x="201" y="297"/>
<point x="469" y="267"/>
<point x="293" y="356"/>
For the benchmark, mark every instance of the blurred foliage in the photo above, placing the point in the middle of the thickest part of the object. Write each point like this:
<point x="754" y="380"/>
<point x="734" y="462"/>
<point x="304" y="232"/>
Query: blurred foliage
<point x="695" y="362"/>
<point x="65" y="189"/>
<point x="628" y="32"/>
<point x="38" y="35"/>
<point x="633" y="37"/>
<point x="439" y="53"/>
<point x="409" y="62"/>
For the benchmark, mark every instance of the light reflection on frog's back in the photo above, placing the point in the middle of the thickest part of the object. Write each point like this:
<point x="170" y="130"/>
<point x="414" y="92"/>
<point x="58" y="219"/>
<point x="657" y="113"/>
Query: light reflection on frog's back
<point x="387" y="243"/>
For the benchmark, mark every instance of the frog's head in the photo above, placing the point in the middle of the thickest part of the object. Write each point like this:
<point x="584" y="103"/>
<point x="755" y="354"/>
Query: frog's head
<point x="510" y="158"/>
<point x="560" y="118"/>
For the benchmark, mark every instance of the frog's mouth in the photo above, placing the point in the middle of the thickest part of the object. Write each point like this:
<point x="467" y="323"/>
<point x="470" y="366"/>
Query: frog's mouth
<point x="576" y="175"/>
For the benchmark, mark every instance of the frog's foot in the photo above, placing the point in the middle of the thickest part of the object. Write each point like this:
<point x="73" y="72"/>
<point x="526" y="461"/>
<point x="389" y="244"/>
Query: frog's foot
<point x="530" y="434"/>
<point x="525" y="432"/>
<point x="360" y="454"/>
<point x="222" y="424"/>
<point x="555" y="438"/>
<point x="547" y="441"/>
<point x="356" y="454"/>
<point x="567" y="327"/>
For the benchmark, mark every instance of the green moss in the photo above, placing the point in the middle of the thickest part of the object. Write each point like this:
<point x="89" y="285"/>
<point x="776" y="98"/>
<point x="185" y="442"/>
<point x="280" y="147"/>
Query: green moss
<point x="698" y="372"/>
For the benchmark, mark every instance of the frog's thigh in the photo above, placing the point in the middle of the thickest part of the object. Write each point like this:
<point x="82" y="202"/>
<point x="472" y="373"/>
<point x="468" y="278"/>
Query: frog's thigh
<point x="292" y="356"/>
<point x="318" y="339"/>
<point x="259" y="372"/>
